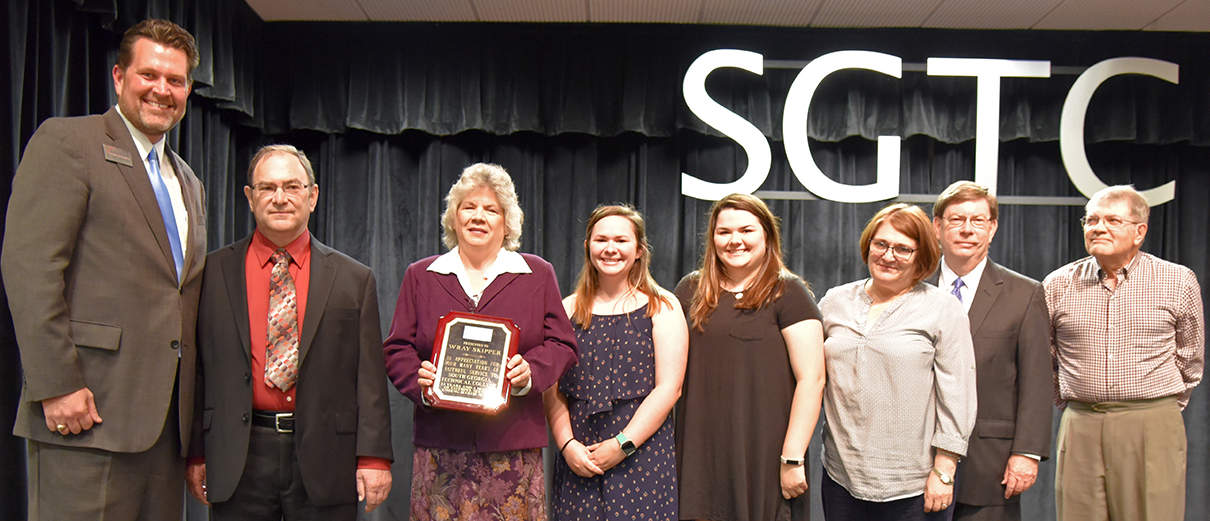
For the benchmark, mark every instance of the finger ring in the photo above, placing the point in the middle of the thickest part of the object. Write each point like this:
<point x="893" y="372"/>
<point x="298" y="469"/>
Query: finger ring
<point x="61" y="428"/>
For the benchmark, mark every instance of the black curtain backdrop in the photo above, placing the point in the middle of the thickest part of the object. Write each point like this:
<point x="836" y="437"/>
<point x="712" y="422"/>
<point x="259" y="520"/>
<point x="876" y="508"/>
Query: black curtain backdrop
<point x="586" y="114"/>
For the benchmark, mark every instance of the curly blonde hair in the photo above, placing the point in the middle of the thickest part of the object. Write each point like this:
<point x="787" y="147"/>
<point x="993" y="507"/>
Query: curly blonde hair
<point x="497" y="179"/>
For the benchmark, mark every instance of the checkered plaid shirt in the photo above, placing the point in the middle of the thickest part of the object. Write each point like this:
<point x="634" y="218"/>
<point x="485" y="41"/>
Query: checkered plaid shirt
<point x="1144" y="339"/>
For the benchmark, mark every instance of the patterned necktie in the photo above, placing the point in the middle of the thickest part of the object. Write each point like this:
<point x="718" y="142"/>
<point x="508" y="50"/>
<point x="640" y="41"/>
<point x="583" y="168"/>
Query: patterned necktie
<point x="281" y="349"/>
<point x="165" y="201"/>
<point x="958" y="284"/>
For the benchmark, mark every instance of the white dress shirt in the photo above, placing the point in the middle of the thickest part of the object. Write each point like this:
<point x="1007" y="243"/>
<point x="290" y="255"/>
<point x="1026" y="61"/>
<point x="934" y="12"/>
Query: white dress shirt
<point x="970" y="282"/>
<point x="168" y="175"/>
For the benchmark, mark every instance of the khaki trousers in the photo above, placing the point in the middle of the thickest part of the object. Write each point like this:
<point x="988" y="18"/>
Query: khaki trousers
<point x="1120" y="461"/>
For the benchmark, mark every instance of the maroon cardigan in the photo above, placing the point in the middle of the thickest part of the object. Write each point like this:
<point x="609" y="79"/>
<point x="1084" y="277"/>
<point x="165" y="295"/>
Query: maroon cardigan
<point x="547" y="342"/>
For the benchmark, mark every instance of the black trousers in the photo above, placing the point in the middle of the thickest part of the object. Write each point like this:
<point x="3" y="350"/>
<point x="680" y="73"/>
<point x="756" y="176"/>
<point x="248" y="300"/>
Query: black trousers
<point x="271" y="488"/>
<point x="839" y="505"/>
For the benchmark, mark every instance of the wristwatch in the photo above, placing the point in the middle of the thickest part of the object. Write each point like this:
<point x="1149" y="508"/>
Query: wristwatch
<point x="628" y="447"/>
<point x="792" y="461"/>
<point x="946" y="479"/>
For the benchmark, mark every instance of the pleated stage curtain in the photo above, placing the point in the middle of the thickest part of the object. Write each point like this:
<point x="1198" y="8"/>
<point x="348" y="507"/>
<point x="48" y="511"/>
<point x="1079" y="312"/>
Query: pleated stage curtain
<point x="587" y="114"/>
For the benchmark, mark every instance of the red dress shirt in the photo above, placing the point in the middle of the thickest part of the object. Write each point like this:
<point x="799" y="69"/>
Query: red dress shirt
<point x="258" y="268"/>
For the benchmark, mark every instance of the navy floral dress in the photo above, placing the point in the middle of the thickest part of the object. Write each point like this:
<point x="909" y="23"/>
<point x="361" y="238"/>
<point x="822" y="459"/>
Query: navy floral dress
<point x="615" y="372"/>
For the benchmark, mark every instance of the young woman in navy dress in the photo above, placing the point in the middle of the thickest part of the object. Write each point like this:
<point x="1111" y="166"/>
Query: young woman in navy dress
<point x="611" y="413"/>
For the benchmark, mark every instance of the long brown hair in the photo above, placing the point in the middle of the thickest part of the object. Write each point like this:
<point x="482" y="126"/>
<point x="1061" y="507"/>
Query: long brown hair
<point x="639" y="276"/>
<point x="768" y="286"/>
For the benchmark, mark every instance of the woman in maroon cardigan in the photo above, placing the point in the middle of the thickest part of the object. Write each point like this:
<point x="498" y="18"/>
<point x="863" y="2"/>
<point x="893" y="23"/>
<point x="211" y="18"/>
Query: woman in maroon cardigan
<point x="469" y="464"/>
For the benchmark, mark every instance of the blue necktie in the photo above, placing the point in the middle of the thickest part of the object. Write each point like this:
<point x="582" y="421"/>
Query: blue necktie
<point x="958" y="284"/>
<point x="165" y="202"/>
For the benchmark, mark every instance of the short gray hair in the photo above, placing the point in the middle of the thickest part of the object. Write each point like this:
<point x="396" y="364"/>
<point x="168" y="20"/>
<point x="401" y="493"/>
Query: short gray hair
<point x="497" y="179"/>
<point x="267" y="150"/>
<point x="1139" y="209"/>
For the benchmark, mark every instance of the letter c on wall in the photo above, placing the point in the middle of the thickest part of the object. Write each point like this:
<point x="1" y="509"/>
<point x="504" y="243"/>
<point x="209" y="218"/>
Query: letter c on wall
<point x="1071" y="123"/>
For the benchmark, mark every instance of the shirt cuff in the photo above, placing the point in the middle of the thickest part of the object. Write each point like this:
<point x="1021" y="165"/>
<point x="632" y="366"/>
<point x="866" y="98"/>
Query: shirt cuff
<point x="524" y="390"/>
<point x="1034" y="457"/>
<point x="370" y="462"/>
<point x="194" y="460"/>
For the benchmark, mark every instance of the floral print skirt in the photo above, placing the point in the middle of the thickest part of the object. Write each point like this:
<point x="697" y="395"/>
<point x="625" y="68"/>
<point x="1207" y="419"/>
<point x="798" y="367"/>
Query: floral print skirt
<point x="477" y="486"/>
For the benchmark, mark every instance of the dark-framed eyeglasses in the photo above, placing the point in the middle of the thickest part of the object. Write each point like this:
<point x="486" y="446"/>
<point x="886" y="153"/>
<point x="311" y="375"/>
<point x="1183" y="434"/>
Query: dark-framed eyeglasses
<point x="878" y="248"/>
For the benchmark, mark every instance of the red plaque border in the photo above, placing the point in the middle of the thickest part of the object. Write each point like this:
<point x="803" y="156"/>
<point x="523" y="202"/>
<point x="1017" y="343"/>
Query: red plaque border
<point x="458" y="403"/>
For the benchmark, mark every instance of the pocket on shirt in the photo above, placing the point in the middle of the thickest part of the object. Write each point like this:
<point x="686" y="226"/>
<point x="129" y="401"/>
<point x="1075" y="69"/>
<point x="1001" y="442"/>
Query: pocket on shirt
<point x="751" y="326"/>
<point x="96" y="335"/>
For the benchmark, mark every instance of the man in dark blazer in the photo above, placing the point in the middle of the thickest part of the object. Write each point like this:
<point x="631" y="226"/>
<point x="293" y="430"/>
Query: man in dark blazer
<point x="102" y="261"/>
<point x="1010" y="330"/>
<point x="295" y="422"/>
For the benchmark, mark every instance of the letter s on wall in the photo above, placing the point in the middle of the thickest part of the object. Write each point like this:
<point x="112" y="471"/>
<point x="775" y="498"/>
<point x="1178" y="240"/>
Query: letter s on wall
<point x="729" y="123"/>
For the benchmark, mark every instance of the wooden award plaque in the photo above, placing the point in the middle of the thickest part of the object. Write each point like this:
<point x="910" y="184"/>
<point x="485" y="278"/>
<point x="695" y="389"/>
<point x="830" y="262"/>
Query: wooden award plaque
<point x="471" y="353"/>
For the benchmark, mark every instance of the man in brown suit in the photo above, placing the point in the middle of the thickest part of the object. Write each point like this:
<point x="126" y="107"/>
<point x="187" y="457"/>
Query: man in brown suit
<point x="102" y="261"/>
<point x="1010" y="330"/>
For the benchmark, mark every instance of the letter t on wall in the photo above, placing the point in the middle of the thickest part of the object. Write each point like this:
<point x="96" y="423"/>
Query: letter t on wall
<point x="987" y="103"/>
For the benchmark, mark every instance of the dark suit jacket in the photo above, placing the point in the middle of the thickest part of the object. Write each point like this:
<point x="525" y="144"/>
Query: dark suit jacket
<point x="342" y="408"/>
<point x="93" y="287"/>
<point x="1010" y="330"/>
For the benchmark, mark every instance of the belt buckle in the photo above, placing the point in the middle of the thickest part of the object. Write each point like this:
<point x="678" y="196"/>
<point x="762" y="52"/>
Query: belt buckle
<point x="1099" y="407"/>
<point x="277" y="420"/>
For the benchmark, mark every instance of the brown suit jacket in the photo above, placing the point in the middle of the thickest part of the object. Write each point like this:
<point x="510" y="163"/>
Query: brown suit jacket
<point x="342" y="408"/>
<point x="93" y="287"/>
<point x="1010" y="330"/>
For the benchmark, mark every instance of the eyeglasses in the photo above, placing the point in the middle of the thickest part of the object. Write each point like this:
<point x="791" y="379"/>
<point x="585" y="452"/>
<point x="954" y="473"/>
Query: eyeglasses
<point x="878" y="248"/>
<point x="1112" y="221"/>
<point x="979" y="222"/>
<point x="291" y="189"/>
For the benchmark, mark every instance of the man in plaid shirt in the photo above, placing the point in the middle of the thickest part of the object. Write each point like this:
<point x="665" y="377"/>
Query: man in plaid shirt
<point x="1127" y="337"/>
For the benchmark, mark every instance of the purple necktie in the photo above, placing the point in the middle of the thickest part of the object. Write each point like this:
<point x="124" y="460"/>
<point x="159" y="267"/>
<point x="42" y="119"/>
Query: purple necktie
<point x="958" y="284"/>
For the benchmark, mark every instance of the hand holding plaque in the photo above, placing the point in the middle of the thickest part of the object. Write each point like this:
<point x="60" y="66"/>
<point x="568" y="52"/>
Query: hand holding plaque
<point x="471" y="353"/>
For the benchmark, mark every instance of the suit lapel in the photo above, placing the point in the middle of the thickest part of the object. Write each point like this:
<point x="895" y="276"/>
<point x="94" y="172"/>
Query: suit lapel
<point x="189" y="192"/>
<point x="140" y="185"/>
<point x="502" y="281"/>
<point x="235" y="280"/>
<point x="990" y="285"/>
<point x="449" y="282"/>
<point x="322" y="276"/>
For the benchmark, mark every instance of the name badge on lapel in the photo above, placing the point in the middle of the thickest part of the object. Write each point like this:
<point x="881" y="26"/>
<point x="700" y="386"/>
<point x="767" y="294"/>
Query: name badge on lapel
<point x="117" y="155"/>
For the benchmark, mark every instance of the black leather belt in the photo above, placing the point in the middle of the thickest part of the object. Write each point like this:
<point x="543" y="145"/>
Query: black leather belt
<point x="282" y="422"/>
